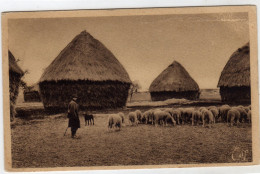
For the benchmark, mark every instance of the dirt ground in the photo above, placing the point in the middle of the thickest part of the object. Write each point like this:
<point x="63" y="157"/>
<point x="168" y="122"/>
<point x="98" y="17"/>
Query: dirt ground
<point x="40" y="143"/>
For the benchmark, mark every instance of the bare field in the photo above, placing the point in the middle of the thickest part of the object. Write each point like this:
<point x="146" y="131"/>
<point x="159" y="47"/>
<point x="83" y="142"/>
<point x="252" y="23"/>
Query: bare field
<point x="40" y="143"/>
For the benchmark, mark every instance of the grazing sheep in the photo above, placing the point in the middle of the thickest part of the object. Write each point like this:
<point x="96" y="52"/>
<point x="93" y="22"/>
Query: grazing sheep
<point x="249" y="116"/>
<point x="243" y="113"/>
<point x="233" y="115"/>
<point x="212" y="107"/>
<point x="152" y="116"/>
<point x="132" y="118"/>
<point x="223" y="110"/>
<point x="176" y="115"/>
<point x="160" y="116"/>
<point x="240" y="106"/>
<point x="138" y="115"/>
<point x="187" y="115"/>
<point x="169" y="119"/>
<point x="215" y="113"/>
<point x="122" y="115"/>
<point x="207" y="115"/>
<point x="196" y="116"/>
<point x="143" y="119"/>
<point x="114" y="120"/>
<point x="181" y="110"/>
<point x="146" y="115"/>
<point x="181" y="117"/>
<point x="169" y="110"/>
<point x="202" y="108"/>
<point x="247" y="109"/>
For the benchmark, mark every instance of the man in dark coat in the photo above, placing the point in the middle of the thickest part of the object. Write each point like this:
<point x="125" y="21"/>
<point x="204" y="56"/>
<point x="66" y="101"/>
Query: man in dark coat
<point x="73" y="115"/>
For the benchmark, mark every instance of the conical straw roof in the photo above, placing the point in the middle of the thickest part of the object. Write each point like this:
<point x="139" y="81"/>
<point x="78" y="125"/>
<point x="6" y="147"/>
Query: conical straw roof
<point x="237" y="70"/>
<point x="174" y="78"/>
<point x="13" y="65"/>
<point x="85" y="58"/>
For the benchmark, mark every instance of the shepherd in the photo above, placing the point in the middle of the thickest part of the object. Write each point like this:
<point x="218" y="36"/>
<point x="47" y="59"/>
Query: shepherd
<point x="73" y="116"/>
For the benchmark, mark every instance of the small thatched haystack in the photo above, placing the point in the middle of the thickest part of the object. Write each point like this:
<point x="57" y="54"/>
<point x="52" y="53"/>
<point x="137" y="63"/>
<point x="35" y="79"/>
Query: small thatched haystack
<point x="234" y="81"/>
<point x="86" y="68"/>
<point x="15" y="75"/>
<point x="174" y="82"/>
<point x="31" y="94"/>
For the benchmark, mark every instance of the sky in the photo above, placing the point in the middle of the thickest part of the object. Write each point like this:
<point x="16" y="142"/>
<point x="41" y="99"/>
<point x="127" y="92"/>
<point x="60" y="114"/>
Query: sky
<point x="144" y="45"/>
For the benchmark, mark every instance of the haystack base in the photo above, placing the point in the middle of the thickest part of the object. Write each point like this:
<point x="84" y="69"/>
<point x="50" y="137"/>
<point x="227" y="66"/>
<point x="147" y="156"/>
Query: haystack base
<point x="32" y="96"/>
<point x="160" y="96"/>
<point x="91" y="95"/>
<point x="236" y="94"/>
<point x="14" y="82"/>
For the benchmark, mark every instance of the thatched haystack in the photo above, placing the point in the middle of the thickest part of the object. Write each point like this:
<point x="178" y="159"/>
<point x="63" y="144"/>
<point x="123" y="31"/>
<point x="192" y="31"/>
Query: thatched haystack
<point x="86" y="68"/>
<point x="174" y="82"/>
<point x="15" y="75"/>
<point x="31" y="94"/>
<point x="234" y="81"/>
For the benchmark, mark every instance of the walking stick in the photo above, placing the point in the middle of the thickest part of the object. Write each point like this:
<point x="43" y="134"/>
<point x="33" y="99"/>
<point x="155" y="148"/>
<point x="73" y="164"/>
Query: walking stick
<point x="65" y="131"/>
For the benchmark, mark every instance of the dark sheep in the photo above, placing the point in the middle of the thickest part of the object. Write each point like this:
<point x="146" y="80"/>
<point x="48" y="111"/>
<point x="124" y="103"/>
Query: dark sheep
<point x="89" y="119"/>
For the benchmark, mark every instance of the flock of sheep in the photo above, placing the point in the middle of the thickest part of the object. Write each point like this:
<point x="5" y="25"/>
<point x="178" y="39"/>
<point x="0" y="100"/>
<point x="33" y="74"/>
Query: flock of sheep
<point x="194" y="116"/>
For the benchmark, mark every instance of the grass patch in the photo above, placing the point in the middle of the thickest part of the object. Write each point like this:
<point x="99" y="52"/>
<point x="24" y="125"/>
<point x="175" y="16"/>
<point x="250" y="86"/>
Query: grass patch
<point x="42" y="144"/>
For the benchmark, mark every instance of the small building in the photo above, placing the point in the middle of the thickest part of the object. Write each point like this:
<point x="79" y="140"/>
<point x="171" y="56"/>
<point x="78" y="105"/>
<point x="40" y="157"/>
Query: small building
<point x="86" y="68"/>
<point x="174" y="82"/>
<point x="31" y="94"/>
<point x="15" y="75"/>
<point x="234" y="81"/>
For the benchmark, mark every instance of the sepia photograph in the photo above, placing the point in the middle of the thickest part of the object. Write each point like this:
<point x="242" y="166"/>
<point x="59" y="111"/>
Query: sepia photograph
<point x="130" y="88"/>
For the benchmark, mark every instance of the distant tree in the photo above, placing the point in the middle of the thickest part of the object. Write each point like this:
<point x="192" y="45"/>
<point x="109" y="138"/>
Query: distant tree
<point x="23" y="84"/>
<point x="135" y="87"/>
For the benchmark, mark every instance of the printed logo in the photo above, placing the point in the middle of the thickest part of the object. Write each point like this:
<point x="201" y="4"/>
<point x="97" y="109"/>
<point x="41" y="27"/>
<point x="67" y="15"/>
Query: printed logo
<point x="239" y="154"/>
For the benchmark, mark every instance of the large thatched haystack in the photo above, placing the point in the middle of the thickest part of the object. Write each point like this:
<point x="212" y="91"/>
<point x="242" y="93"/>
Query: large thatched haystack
<point x="15" y="75"/>
<point x="31" y="93"/>
<point x="234" y="81"/>
<point x="174" y="82"/>
<point x="86" y="68"/>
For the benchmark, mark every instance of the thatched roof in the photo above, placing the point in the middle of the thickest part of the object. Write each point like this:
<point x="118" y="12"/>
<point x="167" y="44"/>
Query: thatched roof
<point x="13" y="65"/>
<point x="174" y="78"/>
<point x="34" y="87"/>
<point x="237" y="70"/>
<point x="85" y="58"/>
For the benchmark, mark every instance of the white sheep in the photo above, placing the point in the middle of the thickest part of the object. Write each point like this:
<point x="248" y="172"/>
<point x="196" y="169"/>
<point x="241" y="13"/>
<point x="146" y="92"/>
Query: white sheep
<point x="176" y="114"/>
<point x="169" y="119"/>
<point x="122" y="115"/>
<point x="160" y="116"/>
<point x="148" y="116"/>
<point x="132" y="118"/>
<point x="215" y="112"/>
<point x="196" y="116"/>
<point x="207" y="115"/>
<point x="223" y="110"/>
<point x="233" y="115"/>
<point x="114" y="120"/>
<point x="249" y="116"/>
<point x="138" y="115"/>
